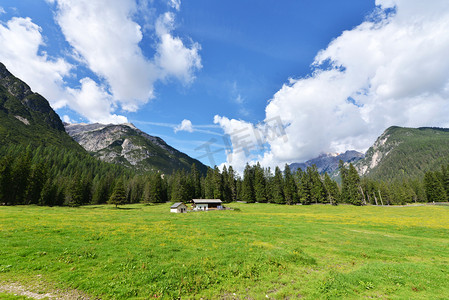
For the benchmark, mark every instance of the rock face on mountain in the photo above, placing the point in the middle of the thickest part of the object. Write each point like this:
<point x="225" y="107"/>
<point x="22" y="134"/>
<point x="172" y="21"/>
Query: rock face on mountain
<point x="26" y="117"/>
<point x="401" y="153"/>
<point x="35" y="107"/>
<point x="329" y="162"/>
<point x="125" y="144"/>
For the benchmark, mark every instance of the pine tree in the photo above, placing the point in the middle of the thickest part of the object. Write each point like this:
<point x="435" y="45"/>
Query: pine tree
<point x="232" y="183"/>
<point x="355" y="189"/>
<point x="75" y="191"/>
<point x="278" y="187"/>
<point x="209" y="184"/>
<point x="260" y="190"/>
<point x="434" y="188"/>
<point x="118" y="196"/>
<point x="290" y="191"/>
<point x="317" y="190"/>
<point x="20" y="176"/>
<point x="248" y="194"/>
<point x="180" y="191"/>
<point x="38" y="177"/>
<point x="6" y="194"/>
<point x="196" y="181"/>
<point x="49" y="194"/>
<point x="218" y="184"/>
<point x="154" y="189"/>
<point x="332" y="191"/>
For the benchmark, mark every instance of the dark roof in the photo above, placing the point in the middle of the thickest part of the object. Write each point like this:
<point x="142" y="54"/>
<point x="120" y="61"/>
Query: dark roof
<point x="176" y="205"/>
<point x="206" y="201"/>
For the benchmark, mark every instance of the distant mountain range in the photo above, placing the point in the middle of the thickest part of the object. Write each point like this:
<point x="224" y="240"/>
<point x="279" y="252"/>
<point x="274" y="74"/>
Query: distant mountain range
<point x="27" y="118"/>
<point x="329" y="162"/>
<point x="126" y="145"/>
<point x="399" y="153"/>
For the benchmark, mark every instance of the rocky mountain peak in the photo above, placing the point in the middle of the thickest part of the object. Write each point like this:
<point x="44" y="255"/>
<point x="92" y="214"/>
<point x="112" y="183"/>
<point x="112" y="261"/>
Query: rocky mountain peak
<point x="127" y="145"/>
<point x="328" y="162"/>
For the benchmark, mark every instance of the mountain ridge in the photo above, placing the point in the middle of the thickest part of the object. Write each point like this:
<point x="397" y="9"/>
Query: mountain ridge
<point x="401" y="152"/>
<point x="328" y="162"/>
<point x="27" y="117"/>
<point x="127" y="145"/>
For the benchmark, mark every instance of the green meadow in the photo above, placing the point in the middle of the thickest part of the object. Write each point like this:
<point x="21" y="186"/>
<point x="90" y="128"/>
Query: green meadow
<point x="257" y="251"/>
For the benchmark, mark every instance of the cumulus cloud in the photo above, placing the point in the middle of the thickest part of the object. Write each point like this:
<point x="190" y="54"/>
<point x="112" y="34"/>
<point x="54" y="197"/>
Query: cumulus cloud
<point x="95" y="102"/>
<point x="390" y="70"/>
<point x="21" y="40"/>
<point x="186" y="125"/>
<point x="173" y="57"/>
<point x="105" y="39"/>
<point x="105" y="36"/>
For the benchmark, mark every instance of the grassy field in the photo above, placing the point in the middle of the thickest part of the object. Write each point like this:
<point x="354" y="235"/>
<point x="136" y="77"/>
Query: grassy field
<point x="262" y="251"/>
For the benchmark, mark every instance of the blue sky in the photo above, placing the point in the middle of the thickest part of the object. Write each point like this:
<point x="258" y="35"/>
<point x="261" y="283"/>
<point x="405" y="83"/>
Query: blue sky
<point x="223" y="66"/>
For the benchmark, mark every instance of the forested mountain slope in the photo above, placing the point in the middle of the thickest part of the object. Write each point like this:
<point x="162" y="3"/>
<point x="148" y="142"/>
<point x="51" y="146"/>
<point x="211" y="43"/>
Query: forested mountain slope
<point x="401" y="153"/>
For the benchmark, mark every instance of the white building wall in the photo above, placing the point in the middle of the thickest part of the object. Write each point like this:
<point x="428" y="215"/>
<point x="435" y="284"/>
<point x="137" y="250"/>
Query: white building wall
<point x="202" y="206"/>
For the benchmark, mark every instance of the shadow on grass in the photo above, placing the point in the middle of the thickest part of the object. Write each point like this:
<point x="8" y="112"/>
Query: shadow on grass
<point x="127" y="208"/>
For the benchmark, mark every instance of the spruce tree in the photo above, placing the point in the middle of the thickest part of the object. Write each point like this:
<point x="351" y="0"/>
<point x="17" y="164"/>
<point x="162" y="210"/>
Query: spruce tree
<point x="218" y="184"/>
<point x="332" y="191"/>
<point x="118" y="196"/>
<point x="290" y="192"/>
<point x="248" y="194"/>
<point x="232" y="183"/>
<point x="6" y="193"/>
<point x="196" y="181"/>
<point x="434" y="188"/>
<point x="355" y="191"/>
<point x="20" y="176"/>
<point x="260" y="186"/>
<point x="278" y="187"/>
<point x="304" y="188"/>
<point x="38" y="177"/>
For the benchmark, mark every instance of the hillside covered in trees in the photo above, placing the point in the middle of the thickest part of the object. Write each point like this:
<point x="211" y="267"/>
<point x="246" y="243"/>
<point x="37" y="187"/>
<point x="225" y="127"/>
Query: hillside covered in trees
<point x="405" y="153"/>
<point x="54" y="176"/>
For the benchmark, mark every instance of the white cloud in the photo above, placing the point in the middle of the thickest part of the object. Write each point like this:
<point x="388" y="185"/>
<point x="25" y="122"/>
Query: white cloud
<point x="173" y="58"/>
<point x="176" y="4"/>
<point x="392" y="70"/>
<point x="95" y="102"/>
<point x="2" y="10"/>
<point x="20" y="41"/>
<point x="186" y="125"/>
<point x="105" y="39"/>
<point x="66" y="118"/>
<point x="104" y="35"/>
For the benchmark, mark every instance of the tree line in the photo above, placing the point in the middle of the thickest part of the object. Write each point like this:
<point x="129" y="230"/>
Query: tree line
<point x="55" y="176"/>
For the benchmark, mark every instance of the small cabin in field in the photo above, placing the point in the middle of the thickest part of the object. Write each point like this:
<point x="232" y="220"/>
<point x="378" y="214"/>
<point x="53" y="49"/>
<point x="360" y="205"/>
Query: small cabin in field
<point x="207" y="204"/>
<point x="178" y="207"/>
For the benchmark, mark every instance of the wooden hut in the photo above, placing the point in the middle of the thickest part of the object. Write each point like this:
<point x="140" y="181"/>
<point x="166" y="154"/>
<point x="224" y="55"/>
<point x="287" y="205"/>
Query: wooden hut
<point x="178" y="207"/>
